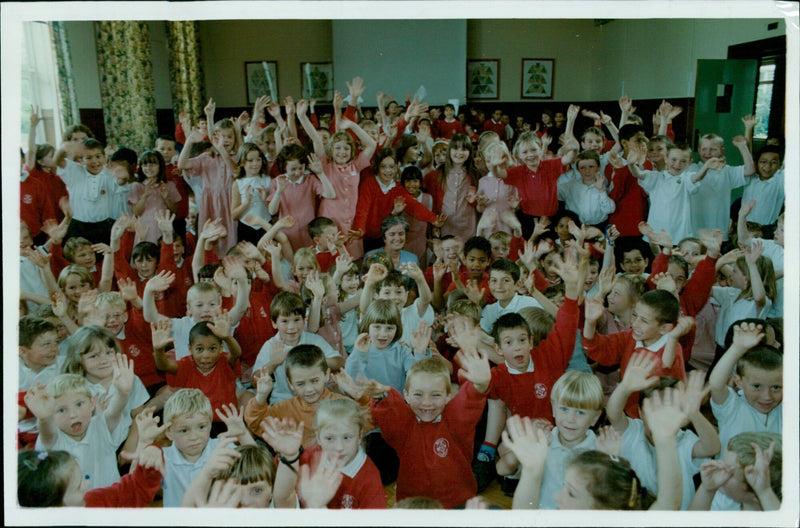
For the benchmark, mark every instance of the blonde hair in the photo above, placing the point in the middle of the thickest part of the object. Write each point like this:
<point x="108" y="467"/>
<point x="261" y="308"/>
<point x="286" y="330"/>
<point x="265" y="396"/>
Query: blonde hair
<point x="203" y="287"/>
<point x="110" y="298"/>
<point x="187" y="402"/>
<point x="540" y="322"/>
<point x="494" y="153"/>
<point x="81" y="342"/>
<point x="581" y="390"/>
<point x="382" y="311"/>
<point x="340" y="410"/>
<point x="741" y="445"/>
<point x="255" y="464"/>
<point x="75" y="269"/>
<point x="716" y="138"/>
<point x="466" y="308"/>
<point x="501" y="237"/>
<point x="433" y="366"/>
<point x="68" y="384"/>
<point x="418" y="503"/>
<point x="336" y="138"/>
<point x="305" y="255"/>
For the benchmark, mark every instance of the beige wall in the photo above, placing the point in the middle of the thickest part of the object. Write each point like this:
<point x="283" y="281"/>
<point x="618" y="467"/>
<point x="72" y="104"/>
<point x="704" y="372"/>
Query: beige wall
<point x="227" y="45"/>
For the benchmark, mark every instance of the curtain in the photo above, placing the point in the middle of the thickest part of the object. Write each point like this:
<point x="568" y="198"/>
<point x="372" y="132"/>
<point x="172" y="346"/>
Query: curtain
<point x="127" y="89"/>
<point x="186" y="74"/>
<point x="67" y="97"/>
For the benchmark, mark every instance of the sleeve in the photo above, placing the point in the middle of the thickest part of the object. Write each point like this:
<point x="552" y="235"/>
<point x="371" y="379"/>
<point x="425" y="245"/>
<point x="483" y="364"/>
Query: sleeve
<point x="467" y="408"/>
<point x="172" y="192"/>
<point x="356" y="364"/>
<point x="393" y="416"/>
<point x="649" y="182"/>
<point x="560" y="343"/>
<point x="122" y="268"/>
<point x="134" y="490"/>
<point x="660" y="265"/>
<point x="605" y="203"/>
<point x="70" y="173"/>
<point x="726" y="411"/>
<point x="607" y="350"/>
<point x="363" y="206"/>
<point x="135" y="193"/>
<point x="415" y="208"/>
<point x="620" y="179"/>
<point x="697" y="289"/>
<point x="254" y="413"/>
<point x="166" y="259"/>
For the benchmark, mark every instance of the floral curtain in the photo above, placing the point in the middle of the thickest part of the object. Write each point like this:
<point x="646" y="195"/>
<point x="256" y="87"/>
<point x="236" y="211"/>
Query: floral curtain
<point x="127" y="90"/>
<point x="186" y="74"/>
<point x="67" y="97"/>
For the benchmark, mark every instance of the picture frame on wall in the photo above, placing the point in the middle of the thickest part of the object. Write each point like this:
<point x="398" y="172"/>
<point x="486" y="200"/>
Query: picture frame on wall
<point x="483" y="79"/>
<point x="537" y="78"/>
<point x="317" y="81"/>
<point x="262" y="79"/>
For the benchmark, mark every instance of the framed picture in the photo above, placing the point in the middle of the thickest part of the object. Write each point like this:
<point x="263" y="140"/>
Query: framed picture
<point x="483" y="79"/>
<point x="317" y="81"/>
<point x="537" y="78"/>
<point x="262" y="79"/>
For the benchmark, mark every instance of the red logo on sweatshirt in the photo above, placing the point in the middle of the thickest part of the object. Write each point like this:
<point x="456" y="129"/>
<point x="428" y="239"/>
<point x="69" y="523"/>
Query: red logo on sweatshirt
<point x="348" y="501"/>
<point x="133" y="350"/>
<point x="27" y="198"/>
<point x="540" y="389"/>
<point x="441" y="446"/>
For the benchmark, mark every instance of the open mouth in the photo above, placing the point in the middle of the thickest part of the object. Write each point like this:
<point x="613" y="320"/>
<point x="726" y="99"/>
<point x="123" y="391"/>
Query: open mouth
<point x="76" y="427"/>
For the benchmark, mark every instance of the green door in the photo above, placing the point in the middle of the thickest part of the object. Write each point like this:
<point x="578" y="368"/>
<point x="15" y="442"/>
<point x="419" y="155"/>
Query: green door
<point x="725" y="91"/>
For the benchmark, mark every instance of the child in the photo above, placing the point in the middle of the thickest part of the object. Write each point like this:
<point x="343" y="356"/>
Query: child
<point x="90" y="353"/>
<point x="655" y="326"/>
<point x="449" y="126"/>
<point x="477" y="256"/>
<point x="208" y="368"/>
<point x="287" y="312"/>
<point x="453" y="189"/>
<point x="339" y="160"/>
<point x="496" y="199"/>
<point x="417" y="238"/>
<point x="324" y="310"/>
<point x="328" y="244"/>
<point x="768" y="188"/>
<point x="377" y="354"/>
<point x="595" y="480"/>
<point x="633" y="256"/>
<point x="710" y="205"/>
<point x="657" y="151"/>
<point x="749" y="475"/>
<point x="670" y="190"/>
<point x="587" y="197"/>
<point x="152" y="195"/>
<point x="630" y="199"/>
<point x="577" y="400"/>
<point x="432" y="430"/>
<point x="54" y="478"/>
<point x="503" y="277"/>
<point x="348" y="290"/>
<point x="501" y="245"/>
<point x="64" y="411"/>
<point x="216" y="170"/>
<point x="757" y="406"/>
<point x="295" y="192"/>
<point x="203" y="303"/>
<point x="393" y="286"/>
<point x="536" y="180"/>
<point x="339" y="426"/>
<point x="187" y="416"/>
<point x="306" y="370"/>
<point x="90" y="186"/>
<point x="74" y="281"/>
<point x="38" y="352"/>
<point x="636" y="445"/>
<point x="249" y="192"/>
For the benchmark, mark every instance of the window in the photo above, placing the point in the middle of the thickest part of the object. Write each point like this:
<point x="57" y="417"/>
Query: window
<point x="39" y="86"/>
<point x="766" y="79"/>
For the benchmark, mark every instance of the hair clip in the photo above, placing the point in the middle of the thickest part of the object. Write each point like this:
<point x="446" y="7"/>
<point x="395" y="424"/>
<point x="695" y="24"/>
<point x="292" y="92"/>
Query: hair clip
<point x="615" y="458"/>
<point x="42" y="455"/>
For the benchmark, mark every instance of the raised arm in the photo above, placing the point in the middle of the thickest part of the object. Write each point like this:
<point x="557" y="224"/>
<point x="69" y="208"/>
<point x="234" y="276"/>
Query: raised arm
<point x="745" y="337"/>
<point x="316" y="167"/>
<point x="30" y="156"/>
<point x="664" y="416"/>
<point x="750" y="121"/>
<point x="43" y="407"/>
<point x="365" y="139"/>
<point x="638" y="377"/>
<point x="311" y="132"/>
<point x="694" y="392"/>
<point x="161" y="340"/>
<point x="122" y="367"/>
<point x="376" y="273"/>
<point x="159" y="282"/>
<point x="751" y="256"/>
<point x="741" y="226"/>
<point x="741" y="143"/>
<point x="572" y="115"/>
<point x="529" y="445"/>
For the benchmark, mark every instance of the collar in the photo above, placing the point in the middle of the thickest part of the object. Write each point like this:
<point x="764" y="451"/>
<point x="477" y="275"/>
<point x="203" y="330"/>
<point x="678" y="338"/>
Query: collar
<point x="437" y="420"/>
<point x="24" y="175"/>
<point x="352" y="468"/>
<point x="385" y="188"/>
<point x="514" y="372"/>
<point x="584" y="445"/>
<point x="121" y="334"/>
<point x="655" y="347"/>
<point x="299" y="180"/>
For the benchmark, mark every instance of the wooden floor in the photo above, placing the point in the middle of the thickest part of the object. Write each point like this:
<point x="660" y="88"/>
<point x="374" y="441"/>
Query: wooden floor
<point x="493" y="495"/>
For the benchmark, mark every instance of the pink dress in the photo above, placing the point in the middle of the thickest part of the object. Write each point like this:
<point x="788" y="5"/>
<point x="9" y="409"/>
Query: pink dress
<point x="499" y="193"/>
<point x="215" y="202"/>
<point x="461" y="220"/>
<point x="342" y="209"/>
<point x="417" y="237"/>
<point x="154" y="203"/>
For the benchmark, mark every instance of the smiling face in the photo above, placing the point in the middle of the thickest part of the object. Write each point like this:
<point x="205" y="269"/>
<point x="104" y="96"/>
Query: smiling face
<point x="74" y="286"/>
<point x="42" y="352"/>
<point x="591" y="276"/>
<point x="710" y="148"/>
<point x="530" y="154"/>
<point x="450" y="251"/>
<point x="252" y="163"/>
<point x="387" y="170"/>
<point x="633" y="262"/>
<point x="515" y="347"/>
<point x="459" y="155"/>
<point x="768" y="165"/>
<point x="397" y="294"/>
<point x="166" y="148"/>
<point x="381" y="335"/>
<point x="190" y="435"/>
<point x="205" y="352"/>
<point x="656" y="152"/>
<point x="573" y="423"/>
<point x="592" y="142"/>
<point x="678" y="160"/>
<point x="427" y="394"/>
<point x="84" y="256"/>
<point x="146" y="266"/>
<point x="763" y="389"/>
<point x="97" y="362"/>
<point x="342" y="153"/>
<point x="575" y="494"/>
<point x="114" y="316"/>
<point x="228" y="139"/>
<point x="350" y="283"/>
<point x="395" y="239"/>
<point x="307" y="382"/>
<point x="502" y="286"/>
<point x="476" y="262"/>
<point x="73" y="414"/>
<point x="646" y="326"/>
<point x="93" y="160"/>
<point x="619" y="298"/>
<point x="412" y="187"/>
<point x="289" y="327"/>
<point x="203" y="306"/>
<point x="340" y="441"/>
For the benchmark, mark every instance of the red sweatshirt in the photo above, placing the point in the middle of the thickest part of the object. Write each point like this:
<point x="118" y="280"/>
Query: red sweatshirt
<point x="630" y="200"/>
<point x="373" y="206"/>
<point x="528" y="394"/>
<point x="436" y="457"/>
<point x="134" y="490"/>
<point x="358" y="492"/>
<point x="538" y="191"/>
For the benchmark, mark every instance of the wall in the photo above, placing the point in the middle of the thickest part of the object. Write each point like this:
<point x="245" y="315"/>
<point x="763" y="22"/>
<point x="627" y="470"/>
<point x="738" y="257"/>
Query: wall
<point x="227" y="44"/>
<point x="84" y="63"/>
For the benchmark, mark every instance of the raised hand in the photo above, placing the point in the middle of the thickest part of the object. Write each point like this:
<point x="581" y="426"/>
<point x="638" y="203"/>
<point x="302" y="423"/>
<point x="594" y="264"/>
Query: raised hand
<point x="39" y="402"/>
<point x="638" y="374"/>
<point x="314" y="163"/>
<point x="694" y="391"/>
<point x="164" y="219"/>
<point x="122" y="367"/>
<point x="161" y="281"/>
<point x="609" y="441"/>
<point x="264" y="384"/>
<point x="663" y="414"/>
<point x="682" y="327"/>
<point x="210" y="108"/>
<point x="664" y="281"/>
<point x="715" y="473"/>
<point x="315" y="285"/>
<point x="750" y="121"/>
<point x="147" y="425"/>
<point x="747" y="335"/>
<point x="421" y="337"/>
<point x="362" y="343"/>
<point x="348" y="385"/>
<point x="233" y="419"/>
<point x="284" y="435"/>
<point x="594" y="309"/>
<point x="377" y="272"/>
<point x="752" y="253"/>
<point x="757" y="473"/>
<point x="224" y="494"/>
<point x="475" y="368"/>
<point x="221" y="325"/>
<point x="317" y="490"/>
<point x="615" y="160"/>
<point x="528" y="442"/>
<point x="160" y="332"/>
<point x="356" y="88"/>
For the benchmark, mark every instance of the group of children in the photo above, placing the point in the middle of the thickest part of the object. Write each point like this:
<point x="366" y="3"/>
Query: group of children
<point x="283" y="316"/>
